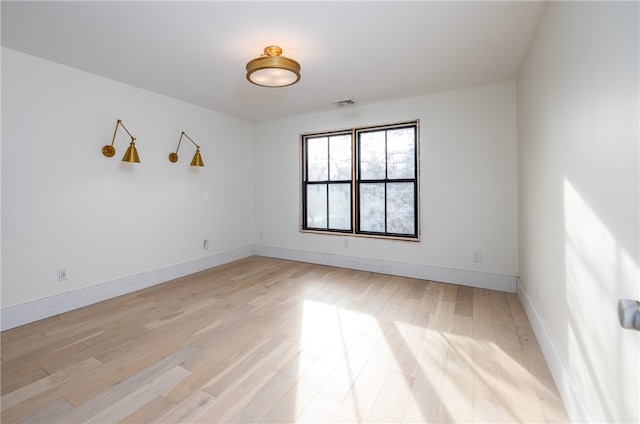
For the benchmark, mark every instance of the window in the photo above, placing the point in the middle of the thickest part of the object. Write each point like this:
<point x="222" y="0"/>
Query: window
<point x="362" y="181"/>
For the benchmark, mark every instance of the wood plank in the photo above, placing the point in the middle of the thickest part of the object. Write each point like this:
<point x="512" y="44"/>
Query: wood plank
<point x="157" y="355"/>
<point x="487" y="374"/>
<point x="505" y="330"/>
<point x="392" y="399"/>
<point x="345" y="374"/>
<point x="59" y="408"/>
<point x="210" y="362"/>
<point x="291" y="405"/>
<point x="517" y="311"/>
<point x="255" y="358"/>
<point x="360" y="399"/>
<point x="187" y="410"/>
<point x="521" y="400"/>
<point x="15" y="376"/>
<point x="499" y="301"/>
<point x="464" y="301"/>
<point x="423" y="405"/>
<point x="320" y="410"/>
<point x="263" y="400"/>
<point x="116" y="404"/>
<point x="485" y="411"/>
<point x="23" y="346"/>
<point x="456" y="392"/>
<point x="151" y="412"/>
<point x="414" y="341"/>
<point x="543" y="383"/>
<point x="254" y="394"/>
<point x="49" y="382"/>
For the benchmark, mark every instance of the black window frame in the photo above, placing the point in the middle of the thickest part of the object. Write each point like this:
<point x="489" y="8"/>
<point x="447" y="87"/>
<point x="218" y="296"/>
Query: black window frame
<point x="356" y="182"/>
<point x="328" y="182"/>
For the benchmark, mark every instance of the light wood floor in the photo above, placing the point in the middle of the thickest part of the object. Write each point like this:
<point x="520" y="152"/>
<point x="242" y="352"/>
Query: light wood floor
<point x="267" y="340"/>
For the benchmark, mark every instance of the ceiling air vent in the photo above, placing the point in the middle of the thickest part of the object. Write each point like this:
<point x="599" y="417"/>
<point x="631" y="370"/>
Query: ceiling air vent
<point x="346" y="102"/>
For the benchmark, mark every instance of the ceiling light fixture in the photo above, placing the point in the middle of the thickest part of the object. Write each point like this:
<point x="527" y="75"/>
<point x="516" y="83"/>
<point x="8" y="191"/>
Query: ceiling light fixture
<point x="272" y="69"/>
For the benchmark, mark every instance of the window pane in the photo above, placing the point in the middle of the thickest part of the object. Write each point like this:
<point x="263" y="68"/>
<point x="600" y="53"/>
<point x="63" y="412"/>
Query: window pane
<point x="317" y="159"/>
<point x="340" y="157"/>
<point x="401" y="153"/>
<point x="372" y="155"/>
<point x="340" y="206"/>
<point x="372" y="207"/>
<point x="317" y="206"/>
<point x="400" y="208"/>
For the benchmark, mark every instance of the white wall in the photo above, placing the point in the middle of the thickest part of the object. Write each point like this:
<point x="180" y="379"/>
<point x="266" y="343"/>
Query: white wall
<point x="65" y="205"/>
<point x="467" y="185"/>
<point x="579" y="173"/>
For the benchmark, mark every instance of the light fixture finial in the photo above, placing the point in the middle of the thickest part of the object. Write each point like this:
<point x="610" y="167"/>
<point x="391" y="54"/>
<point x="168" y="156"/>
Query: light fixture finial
<point x="272" y="51"/>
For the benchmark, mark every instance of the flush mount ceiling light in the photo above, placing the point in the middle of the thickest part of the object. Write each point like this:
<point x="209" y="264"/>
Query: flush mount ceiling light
<point x="273" y="70"/>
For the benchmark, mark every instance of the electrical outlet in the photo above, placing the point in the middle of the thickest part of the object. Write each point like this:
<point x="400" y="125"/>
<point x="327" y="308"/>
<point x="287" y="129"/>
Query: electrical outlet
<point x="62" y="274"/>
<point x="205" y="245"/>
<point x="477" y="256"/>
<point x="346" y="243"/>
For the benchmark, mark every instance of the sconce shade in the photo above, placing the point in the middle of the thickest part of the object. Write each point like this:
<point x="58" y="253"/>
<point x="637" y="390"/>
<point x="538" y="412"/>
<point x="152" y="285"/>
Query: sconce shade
<point x="197" y="158"/>
<point x="131" y="155"/>
<point x="273" y="70"/>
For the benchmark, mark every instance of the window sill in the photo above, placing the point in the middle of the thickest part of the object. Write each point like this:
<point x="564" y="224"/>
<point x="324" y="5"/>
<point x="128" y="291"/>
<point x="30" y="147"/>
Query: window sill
<point x="370" y="236"/>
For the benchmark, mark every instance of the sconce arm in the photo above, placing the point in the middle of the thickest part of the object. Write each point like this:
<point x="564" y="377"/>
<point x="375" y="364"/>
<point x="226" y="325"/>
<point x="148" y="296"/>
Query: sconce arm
<point x="180" y="141"/>
<point x="115" y="132"/>
<point x="125" y="128"/>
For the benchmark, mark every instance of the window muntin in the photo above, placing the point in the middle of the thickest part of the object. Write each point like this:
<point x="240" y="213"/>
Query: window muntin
<point x="364" y="181"/>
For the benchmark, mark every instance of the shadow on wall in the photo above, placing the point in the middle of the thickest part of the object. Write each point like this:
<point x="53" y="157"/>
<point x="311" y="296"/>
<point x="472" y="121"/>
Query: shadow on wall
<point x="599" y="271"/>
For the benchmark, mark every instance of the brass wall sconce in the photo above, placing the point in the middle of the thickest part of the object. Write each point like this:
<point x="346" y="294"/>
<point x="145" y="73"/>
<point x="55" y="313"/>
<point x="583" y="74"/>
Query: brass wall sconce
<point x="131" y="155"/>
<point x="197" y="158"/>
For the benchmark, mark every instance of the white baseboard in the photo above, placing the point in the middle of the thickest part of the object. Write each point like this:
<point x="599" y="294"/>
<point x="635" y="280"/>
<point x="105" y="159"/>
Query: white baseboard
<point x="506" y="283"/>
<point x="571" y="395"/>
<point x="14" y="316"/>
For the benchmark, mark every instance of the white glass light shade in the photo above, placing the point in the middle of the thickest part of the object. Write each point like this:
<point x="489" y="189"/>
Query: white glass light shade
<point x="273" y="77"/>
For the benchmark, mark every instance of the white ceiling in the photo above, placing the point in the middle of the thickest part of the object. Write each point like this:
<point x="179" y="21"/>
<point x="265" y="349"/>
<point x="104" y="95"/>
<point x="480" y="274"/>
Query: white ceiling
<point x="197" y="51"/>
